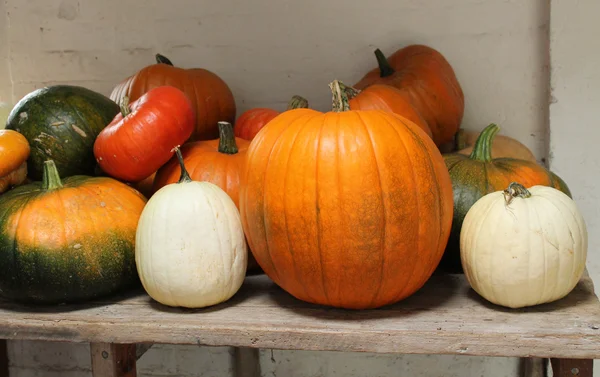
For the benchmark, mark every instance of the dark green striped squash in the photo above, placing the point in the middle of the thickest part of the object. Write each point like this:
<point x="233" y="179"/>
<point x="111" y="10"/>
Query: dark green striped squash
<point x="69" y="240"/>
<point x="61" y="123"/>
<point x="479" y="174"/>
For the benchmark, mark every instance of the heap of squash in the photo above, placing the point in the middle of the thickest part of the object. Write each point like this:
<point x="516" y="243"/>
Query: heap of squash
<point x="352" y="208"/>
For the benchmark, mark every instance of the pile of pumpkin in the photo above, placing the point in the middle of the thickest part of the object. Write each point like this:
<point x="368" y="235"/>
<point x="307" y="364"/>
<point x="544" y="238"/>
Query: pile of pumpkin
<point x="353" y="208"/>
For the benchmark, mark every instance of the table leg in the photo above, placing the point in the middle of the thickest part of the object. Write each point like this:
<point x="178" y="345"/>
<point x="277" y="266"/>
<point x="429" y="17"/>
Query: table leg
<point x="572" y="367"/>
<point x="247" y="363"/>
<point x="113" y="360"/>
<point x="3" y="358"/>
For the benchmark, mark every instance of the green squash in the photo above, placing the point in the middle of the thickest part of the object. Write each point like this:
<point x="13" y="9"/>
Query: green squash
<point x="479" y="174"/>
<point x="68" y="240"/>
<point x="61" y="123"/>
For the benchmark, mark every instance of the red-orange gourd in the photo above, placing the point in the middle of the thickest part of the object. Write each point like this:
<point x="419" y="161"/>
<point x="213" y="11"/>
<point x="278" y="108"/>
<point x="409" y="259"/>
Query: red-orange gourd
<point x="431" y="83"/>
<point x="348" y="208"/>
<point x="386" y="98"/>
<point x="216" y="161"/>
<point x="253" y="120"/>
<point x="141" y="138"/>
<point x="211" y="98"/>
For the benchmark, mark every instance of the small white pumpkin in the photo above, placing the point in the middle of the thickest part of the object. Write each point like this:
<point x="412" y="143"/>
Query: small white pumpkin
<point x="190" y="248"/>
<point x="523" y="247"/>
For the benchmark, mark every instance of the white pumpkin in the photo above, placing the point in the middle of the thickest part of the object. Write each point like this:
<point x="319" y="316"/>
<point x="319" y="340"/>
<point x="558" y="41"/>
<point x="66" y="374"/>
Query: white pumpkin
<point x="523" y="247"/>
<point x="190" y="248"/>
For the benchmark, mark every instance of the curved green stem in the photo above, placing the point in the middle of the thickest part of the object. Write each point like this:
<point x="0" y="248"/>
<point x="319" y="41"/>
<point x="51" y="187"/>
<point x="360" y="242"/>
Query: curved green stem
<point x="297" y="102"/>
<point x="184" y="177"/>
<point x="515" y="190"/>
<point x="385" y="69"/>
<point x="125" y="110"/>
<point x="339" y="97"/>
<point x="227" y="142"/>
<point x="161" y="59"/>
<point x="482" y="150"/>
<point x="51" y="178"/>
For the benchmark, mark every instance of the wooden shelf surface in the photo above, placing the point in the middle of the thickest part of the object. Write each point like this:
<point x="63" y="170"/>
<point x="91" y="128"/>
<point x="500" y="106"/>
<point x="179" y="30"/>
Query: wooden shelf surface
<point x="444" y="317"/>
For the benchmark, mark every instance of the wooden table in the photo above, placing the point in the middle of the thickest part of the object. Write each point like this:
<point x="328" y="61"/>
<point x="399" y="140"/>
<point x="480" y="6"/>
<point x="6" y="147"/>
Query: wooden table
<point x="444" y="317"/>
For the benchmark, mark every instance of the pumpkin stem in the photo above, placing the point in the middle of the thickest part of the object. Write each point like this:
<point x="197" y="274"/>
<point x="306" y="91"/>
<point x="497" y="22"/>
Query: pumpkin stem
<point x="184" y="177"/>
<point x="460" y="140"/>
<point x="350" y="91"/>
<point x="385" y="69"/>
<point x="51" y="178"/>
<point x="161" y="59"/>
<point x="482" y="150"/>
<point x="227" y="142"/>
<point x="515" y="190"/>
<point x="297" y="102"/>
<point x="125" y="106"/>
<point x="340" y="98"/>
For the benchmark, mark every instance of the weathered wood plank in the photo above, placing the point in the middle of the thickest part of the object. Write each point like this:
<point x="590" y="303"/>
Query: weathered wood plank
<point x="572" y="367"/>
<point x="444" y="317"/>
<point x="113" y="360"/>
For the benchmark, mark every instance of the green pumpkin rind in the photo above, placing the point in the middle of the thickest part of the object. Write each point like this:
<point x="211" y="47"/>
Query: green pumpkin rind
<point x="470" y="183"/>
<point x="61" y="123"/>
<point x="51" y="276"/>
<point x="559" y="184"/>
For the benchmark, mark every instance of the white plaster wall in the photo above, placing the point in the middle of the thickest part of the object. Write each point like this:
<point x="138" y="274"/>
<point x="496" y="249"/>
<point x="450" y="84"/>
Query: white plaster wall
<point x="575" y="112"/>
<point x="270" y="50"/>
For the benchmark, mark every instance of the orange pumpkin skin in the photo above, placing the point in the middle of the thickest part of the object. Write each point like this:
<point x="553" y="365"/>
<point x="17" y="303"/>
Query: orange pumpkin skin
<point x="430" y="82"/>
<point x="204" y="162"/>
<point x="210" y="96"/>
<point x="253" y="120"/>
<point x="348" y="209"/>
<point x="14" y="152"/>
<point x="387" y="98"/>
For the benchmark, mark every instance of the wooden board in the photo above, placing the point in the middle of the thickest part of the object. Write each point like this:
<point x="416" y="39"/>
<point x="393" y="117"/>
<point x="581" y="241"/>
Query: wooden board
<point x="444" y="317"/>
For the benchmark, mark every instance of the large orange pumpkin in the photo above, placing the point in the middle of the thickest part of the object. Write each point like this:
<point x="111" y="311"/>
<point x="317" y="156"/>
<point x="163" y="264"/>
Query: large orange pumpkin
<point x="386" y="98"/>
<point x="210" y="96"/>
<point x="430" y="82"/>
<point x="346" y="208"/>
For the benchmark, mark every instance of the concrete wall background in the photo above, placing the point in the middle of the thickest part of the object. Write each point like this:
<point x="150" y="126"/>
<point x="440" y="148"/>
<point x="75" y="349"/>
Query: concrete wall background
<point x="268" y="51"/>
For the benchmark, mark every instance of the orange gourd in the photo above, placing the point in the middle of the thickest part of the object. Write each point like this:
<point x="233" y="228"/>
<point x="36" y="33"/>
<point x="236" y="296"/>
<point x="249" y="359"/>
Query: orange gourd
<point x="14" y="152"/>
<point x="253" y="120"/>
<point x="209" y="94"/>
<point x="430" y="82"/>
<point x="348" y="208"/>
<point x="386" y="98"/>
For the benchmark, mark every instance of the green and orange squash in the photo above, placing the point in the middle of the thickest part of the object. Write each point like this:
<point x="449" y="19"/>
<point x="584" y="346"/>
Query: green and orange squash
<point x="479" y="174"/>
<point x="68" y="240"/>
<point x="61" y="123"/>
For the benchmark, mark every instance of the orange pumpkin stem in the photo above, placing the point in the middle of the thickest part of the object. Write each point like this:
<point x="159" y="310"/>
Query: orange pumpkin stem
<point x="184" y="177"/>
<point x="515" y="190"/>
<point x="297" y="102"/>
<point x="482" y="150"/>
<point x="51" y="178"/>
<point x="161" y="59"/>
<point x="227" y="142"/>
<point x="339" y="96"/>
<point x="385" y="69"/>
